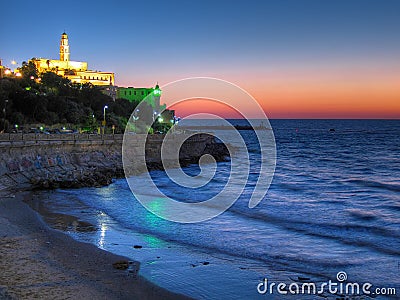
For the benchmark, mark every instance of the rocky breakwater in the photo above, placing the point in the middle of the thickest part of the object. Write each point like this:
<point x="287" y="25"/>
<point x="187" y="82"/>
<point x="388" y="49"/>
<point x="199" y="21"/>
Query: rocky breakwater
<point x="82" y="160"/>
<point x="191" y="149"/>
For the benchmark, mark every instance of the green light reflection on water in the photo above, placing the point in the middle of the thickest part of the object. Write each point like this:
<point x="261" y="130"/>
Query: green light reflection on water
<point x="157" y="205"/>
<point x="154" y="242"/>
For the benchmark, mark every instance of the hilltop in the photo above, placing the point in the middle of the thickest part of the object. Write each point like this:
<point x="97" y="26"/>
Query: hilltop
<point x="52" y="100"/>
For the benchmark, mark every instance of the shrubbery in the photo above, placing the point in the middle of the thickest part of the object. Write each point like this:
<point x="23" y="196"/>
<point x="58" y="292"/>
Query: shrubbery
<point x="56" y="100"/>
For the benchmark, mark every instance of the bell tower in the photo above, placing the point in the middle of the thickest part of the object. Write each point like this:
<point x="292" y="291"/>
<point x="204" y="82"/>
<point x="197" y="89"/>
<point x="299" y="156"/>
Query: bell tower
<point x="64" y="47"/>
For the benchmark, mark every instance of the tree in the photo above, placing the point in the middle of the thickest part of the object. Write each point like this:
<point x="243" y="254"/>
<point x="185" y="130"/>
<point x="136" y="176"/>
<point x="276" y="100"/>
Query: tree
<point x="91" y="123"/>
<point x="56" y="100"/>
<point x="29" y="70"/>
<point x="52" y="80"/>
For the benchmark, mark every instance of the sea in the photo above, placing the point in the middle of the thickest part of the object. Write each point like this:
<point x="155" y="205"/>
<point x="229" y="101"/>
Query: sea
<point x="331" y="214"/>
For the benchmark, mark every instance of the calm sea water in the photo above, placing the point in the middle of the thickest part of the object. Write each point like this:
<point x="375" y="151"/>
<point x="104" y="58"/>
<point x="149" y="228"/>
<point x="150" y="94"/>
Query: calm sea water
<point x="333" y="205"/>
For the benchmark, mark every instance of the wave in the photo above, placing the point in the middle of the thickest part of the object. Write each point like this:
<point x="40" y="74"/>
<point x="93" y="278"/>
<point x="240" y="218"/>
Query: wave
<point x="374" y="184"/>
<point x="349" y="234"/>
<point x="362" y="214"/>
<point x="367" y="234"/>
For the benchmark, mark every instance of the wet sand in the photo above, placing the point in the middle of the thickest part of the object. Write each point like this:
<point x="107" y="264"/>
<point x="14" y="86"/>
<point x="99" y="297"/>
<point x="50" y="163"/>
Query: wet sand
<point x="38" y="262"/>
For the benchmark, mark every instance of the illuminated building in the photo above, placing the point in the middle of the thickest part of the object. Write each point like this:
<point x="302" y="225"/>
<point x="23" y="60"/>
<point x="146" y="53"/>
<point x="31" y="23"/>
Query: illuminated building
<point x="152" y="97"/>
<point x="149" y="95"/>
<point x="76" y="71"/>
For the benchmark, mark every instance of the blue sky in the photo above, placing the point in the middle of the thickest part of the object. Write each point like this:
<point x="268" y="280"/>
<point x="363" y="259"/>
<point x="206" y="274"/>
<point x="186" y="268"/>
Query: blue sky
<point x="144" y="42"/>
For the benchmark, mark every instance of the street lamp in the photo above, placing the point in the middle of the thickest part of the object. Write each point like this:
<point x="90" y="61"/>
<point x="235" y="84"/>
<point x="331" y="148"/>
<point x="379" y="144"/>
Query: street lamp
<point x="104" y="117"/>
<point x="135" y="118"/>
<point x="104" y="113"/>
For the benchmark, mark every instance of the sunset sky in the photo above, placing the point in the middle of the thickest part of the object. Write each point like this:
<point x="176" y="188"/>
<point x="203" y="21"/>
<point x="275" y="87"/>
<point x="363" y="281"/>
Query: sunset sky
<point x="298" y="59"/>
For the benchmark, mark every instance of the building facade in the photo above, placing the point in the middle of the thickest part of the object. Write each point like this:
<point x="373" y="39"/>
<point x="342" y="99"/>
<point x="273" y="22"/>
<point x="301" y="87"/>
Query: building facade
<point x="76" y="71"/>
<point x="150" y="95"/>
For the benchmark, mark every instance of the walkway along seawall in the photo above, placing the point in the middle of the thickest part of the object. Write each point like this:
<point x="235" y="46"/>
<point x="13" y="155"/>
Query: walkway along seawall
<point x="77" y="160"/>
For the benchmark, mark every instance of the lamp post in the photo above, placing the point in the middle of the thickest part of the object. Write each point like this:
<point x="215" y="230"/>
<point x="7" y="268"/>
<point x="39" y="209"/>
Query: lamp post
<point x="135" y="118"/>
<point x="104" y="118"/>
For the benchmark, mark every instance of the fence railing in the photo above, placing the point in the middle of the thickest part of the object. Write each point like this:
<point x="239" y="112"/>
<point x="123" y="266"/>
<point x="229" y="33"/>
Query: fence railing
<point x="11" y="137"/>
<point x="28" y="137"/>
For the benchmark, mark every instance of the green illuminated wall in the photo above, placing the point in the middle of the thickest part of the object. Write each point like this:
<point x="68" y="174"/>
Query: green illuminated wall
<point x="150" y="95"/>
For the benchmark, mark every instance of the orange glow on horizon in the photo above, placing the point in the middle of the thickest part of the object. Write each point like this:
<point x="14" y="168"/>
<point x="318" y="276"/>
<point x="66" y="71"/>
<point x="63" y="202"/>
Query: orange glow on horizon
<point x="195" y="106"/>
<point x="337" y="94"/>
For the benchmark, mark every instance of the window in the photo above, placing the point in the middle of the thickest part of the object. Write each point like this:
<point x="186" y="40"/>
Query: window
<point x="130" y="93"/>
<point x="142" y="93"/>
<point x="134" y="92"/>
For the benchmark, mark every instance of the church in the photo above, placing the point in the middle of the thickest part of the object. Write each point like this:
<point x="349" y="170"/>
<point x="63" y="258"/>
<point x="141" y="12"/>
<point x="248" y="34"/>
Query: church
<point x="76" y="71"/>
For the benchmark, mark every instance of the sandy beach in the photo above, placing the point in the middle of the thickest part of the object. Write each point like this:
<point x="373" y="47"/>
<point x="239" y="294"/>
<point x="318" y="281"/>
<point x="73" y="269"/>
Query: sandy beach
<point x="39" y="262"/>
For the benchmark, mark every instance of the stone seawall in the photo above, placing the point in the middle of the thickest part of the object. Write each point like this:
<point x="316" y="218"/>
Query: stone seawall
<point x="76" y="160"/>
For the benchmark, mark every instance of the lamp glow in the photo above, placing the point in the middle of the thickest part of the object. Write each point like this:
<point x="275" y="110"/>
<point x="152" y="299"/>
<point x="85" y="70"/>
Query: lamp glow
<point x="104" y="118"/>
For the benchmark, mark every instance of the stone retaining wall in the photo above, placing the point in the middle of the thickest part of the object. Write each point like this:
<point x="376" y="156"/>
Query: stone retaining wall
<point x="32" y="158"/>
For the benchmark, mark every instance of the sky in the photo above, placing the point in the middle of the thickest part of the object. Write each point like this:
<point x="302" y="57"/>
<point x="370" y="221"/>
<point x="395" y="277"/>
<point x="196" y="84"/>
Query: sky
<point x="297" y="58"/>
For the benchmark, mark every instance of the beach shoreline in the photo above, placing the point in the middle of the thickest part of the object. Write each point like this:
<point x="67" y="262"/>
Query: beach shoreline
<point x="40" y="262"/>
<point x="38" y="259"/>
